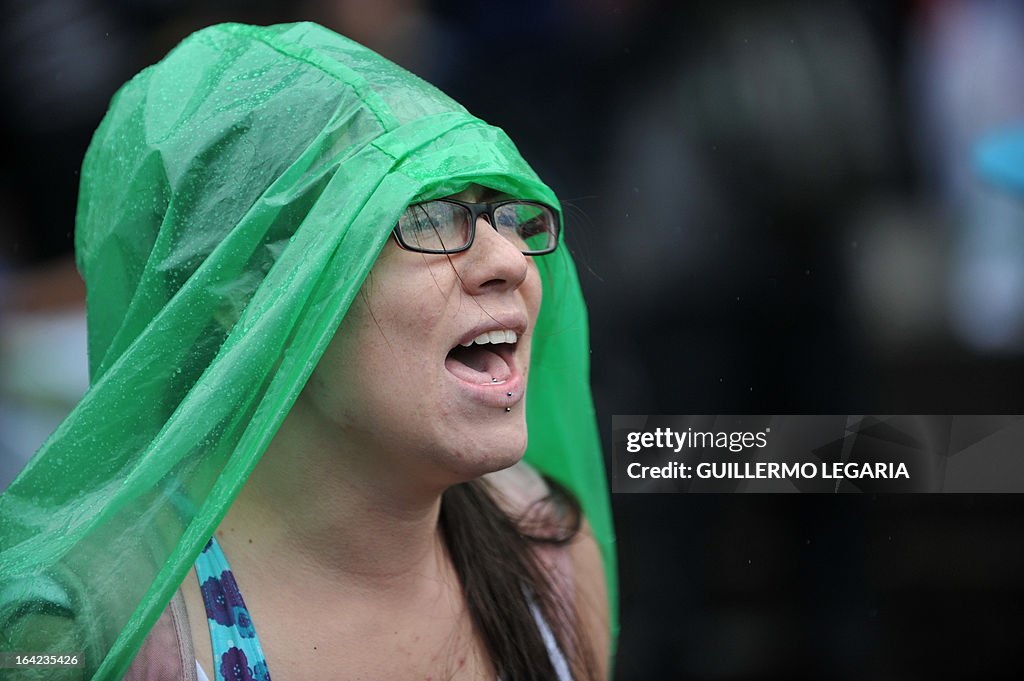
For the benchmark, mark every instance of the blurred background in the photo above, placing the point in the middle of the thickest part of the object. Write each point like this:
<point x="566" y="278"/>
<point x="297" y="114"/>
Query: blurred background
<point x="774" y="207"/>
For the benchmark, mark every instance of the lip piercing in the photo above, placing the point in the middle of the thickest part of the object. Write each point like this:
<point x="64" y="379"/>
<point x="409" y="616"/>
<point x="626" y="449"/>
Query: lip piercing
<point x="508" y="409"/>
<point x="494" y="380"/>
<point x="508" y="394"/>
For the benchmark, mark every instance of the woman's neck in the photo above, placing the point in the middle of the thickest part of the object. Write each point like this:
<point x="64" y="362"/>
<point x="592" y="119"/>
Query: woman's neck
<point x="342" y="513"/>
<point x="343" y="564"/>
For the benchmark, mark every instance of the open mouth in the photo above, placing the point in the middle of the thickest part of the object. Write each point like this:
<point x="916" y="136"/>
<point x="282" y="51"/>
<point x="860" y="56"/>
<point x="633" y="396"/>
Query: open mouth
<point x="484" y="360"/>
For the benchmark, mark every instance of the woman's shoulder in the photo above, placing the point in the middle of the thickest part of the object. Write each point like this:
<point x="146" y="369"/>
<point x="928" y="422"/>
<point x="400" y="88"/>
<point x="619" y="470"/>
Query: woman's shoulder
<point x="549" y="515"/>
<point x="542" y="509"/>
<point x="517" y="488"/>
<point x="167" y="652"/>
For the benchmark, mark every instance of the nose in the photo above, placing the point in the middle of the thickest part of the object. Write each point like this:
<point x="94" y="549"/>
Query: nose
<point x="492" y="263"/>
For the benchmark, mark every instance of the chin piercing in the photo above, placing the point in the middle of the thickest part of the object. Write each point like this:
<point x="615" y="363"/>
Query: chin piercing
<point x="509" y="394"/>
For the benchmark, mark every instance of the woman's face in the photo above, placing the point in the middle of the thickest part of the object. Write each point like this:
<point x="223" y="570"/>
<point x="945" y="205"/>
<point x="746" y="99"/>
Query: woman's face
<point x="397" y="383"/>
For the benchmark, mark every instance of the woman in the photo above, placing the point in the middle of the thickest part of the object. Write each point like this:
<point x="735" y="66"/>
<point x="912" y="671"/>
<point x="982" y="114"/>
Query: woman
<point x="233" y="203"/>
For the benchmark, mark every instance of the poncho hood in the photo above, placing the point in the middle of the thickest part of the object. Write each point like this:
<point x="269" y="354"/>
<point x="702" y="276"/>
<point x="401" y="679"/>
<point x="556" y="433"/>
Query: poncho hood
<point x="232" y="202"/>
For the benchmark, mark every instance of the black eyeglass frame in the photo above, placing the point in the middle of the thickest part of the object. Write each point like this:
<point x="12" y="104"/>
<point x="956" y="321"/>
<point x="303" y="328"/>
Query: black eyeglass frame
<point x="475" y="211"/>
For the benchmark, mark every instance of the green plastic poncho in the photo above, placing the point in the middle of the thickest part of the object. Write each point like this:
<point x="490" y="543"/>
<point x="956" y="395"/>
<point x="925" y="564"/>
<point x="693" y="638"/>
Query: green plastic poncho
<point x="232" y="201"/>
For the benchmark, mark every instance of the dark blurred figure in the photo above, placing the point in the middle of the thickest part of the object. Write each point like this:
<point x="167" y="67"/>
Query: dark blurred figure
<point x="750" y="136"/>
<point x="965" y="78"/>
<point x="61" y="60"/>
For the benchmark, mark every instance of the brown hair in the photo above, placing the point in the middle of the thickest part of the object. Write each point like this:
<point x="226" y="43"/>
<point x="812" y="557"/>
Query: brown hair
<point x="494" y="557"/>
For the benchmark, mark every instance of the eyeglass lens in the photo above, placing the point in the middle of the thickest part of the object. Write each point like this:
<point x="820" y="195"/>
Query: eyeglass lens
<point x="440" y="226"/>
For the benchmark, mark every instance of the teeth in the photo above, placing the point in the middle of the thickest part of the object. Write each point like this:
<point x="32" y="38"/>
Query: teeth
<point x="495" y="337"/>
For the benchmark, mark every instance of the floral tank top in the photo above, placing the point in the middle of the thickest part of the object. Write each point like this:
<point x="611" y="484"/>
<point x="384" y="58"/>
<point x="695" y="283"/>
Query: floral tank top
<point x="237" y="654"/>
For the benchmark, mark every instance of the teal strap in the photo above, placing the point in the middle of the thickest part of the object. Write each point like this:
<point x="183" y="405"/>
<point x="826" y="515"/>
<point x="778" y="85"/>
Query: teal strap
<point x="237" y="654"/>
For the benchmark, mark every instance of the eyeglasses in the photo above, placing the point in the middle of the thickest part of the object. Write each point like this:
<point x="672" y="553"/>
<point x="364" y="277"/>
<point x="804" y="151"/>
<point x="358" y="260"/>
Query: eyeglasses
<point x="448" y="226"/>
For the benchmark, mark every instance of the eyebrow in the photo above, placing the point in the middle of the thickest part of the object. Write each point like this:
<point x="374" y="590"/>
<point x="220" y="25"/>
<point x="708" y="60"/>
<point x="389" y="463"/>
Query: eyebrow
<point x="481" y="194"/>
